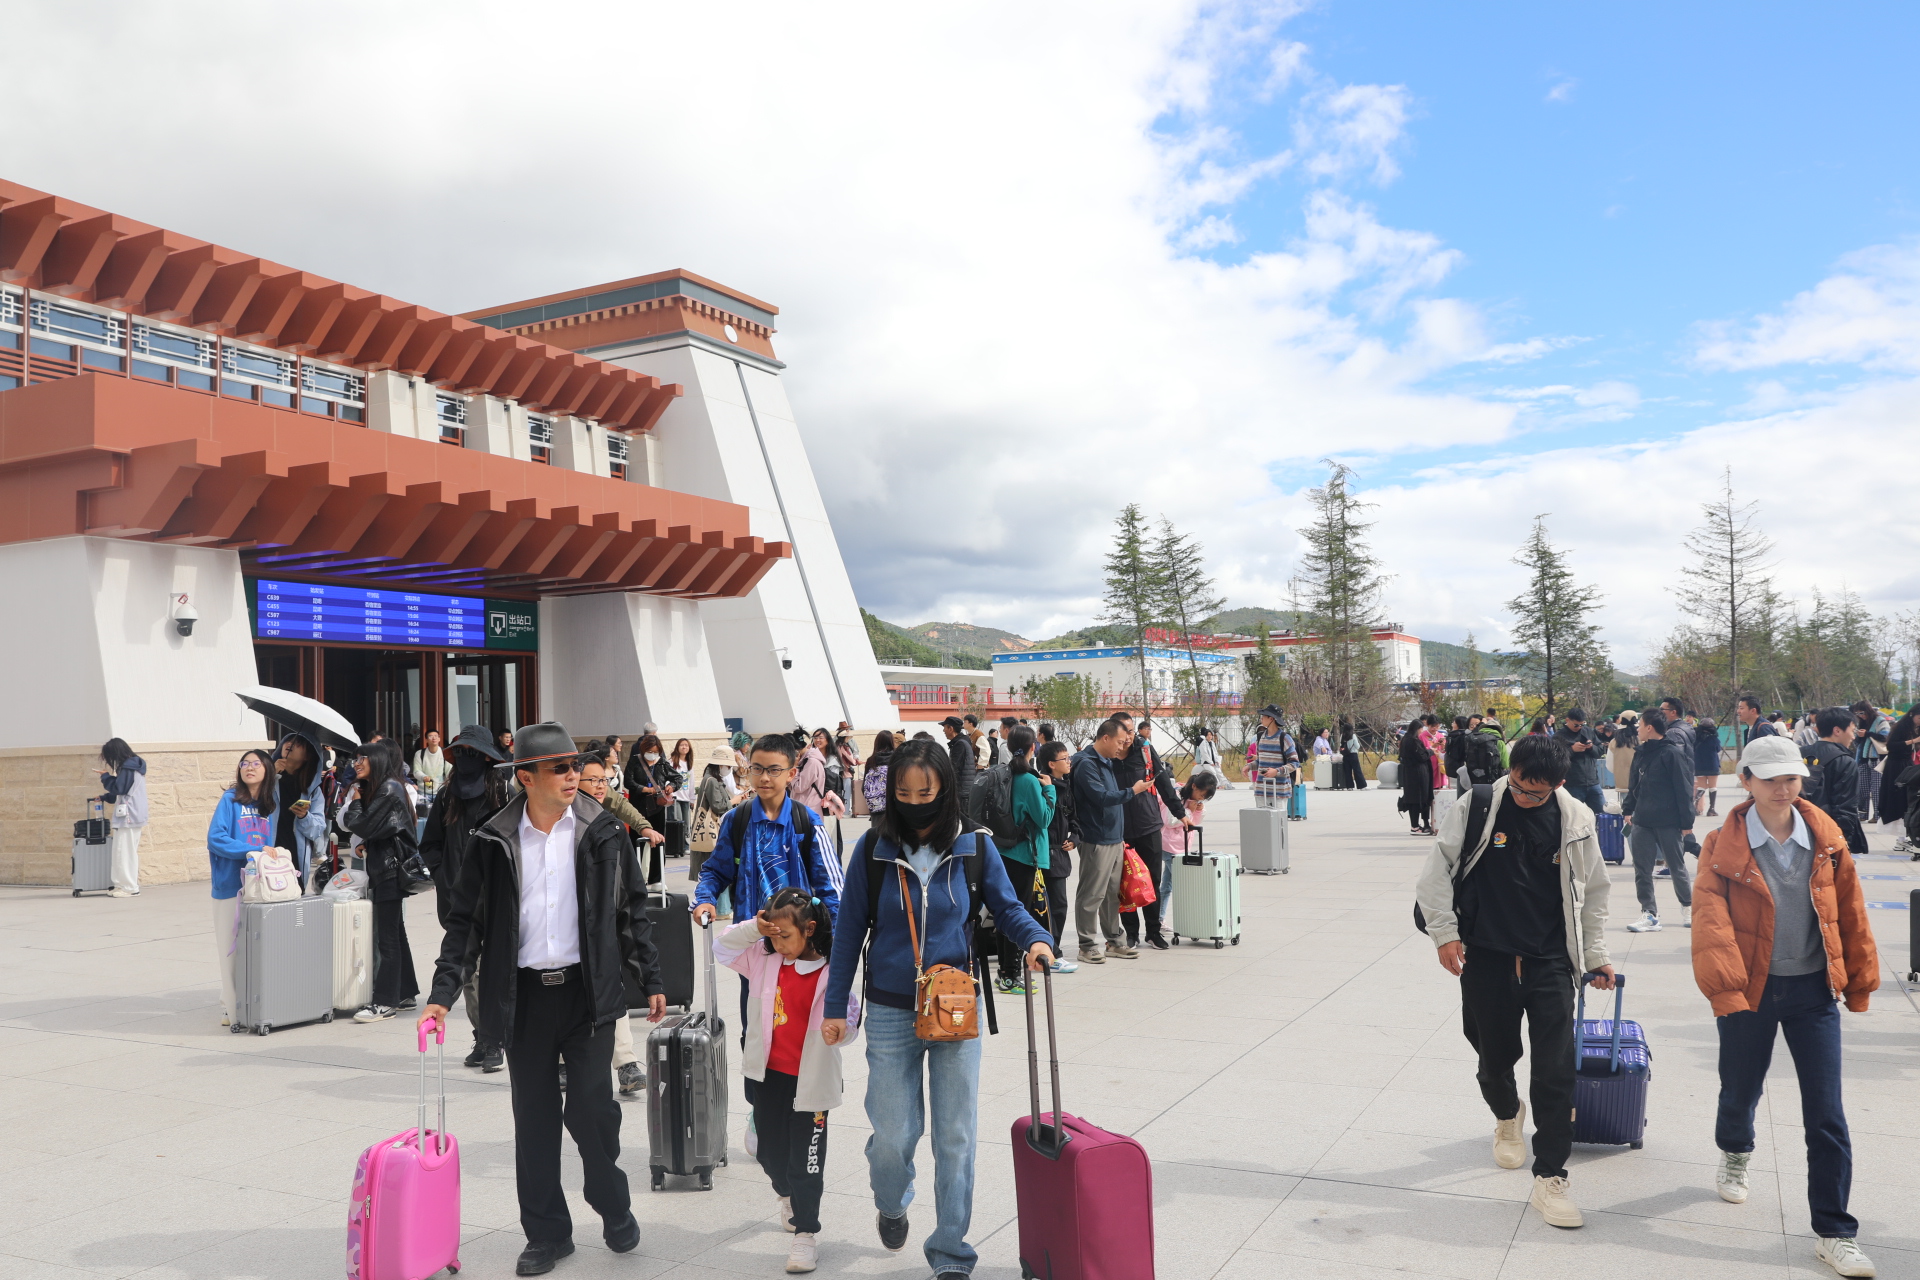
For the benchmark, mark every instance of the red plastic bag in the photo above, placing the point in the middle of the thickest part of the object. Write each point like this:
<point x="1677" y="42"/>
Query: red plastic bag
<point x="1136" y="886"/>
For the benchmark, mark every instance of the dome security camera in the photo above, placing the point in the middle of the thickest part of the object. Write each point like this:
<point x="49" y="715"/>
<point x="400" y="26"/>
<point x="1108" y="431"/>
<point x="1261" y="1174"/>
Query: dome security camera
<point x="184" y="615"/>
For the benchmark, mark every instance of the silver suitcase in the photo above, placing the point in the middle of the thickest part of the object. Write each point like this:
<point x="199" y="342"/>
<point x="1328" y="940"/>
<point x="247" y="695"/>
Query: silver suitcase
<point x="687" y="1089"/>
<point x="283" y="964"/>
<point x="1263" y="842"/>
<point x="92" y="851"/>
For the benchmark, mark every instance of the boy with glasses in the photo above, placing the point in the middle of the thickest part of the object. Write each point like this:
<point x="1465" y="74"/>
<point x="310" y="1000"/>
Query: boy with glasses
<point x="1514" y="897"/>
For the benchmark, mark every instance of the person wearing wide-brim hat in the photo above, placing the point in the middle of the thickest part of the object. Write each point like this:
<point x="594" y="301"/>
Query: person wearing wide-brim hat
<point x="713" y="795"/>
<point x="551" y="900"/>
<point x="1276" y="757"/>
<point x="472" y="792"/>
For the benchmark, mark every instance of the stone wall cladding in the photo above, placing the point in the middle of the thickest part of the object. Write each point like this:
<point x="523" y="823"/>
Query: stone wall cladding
<point x="43" y="793"/>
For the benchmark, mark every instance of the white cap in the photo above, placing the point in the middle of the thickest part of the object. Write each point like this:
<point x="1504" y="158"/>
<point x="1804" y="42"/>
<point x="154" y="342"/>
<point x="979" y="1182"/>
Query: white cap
<point x="1772" y="756"/>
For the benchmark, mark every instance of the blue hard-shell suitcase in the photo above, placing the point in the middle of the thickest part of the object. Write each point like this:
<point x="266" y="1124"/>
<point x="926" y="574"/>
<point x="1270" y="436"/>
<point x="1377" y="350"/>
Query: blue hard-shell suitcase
<point x="1613" y="1066"/>
<point x="1611" y="829"/>
<point x="1297" y="803"/>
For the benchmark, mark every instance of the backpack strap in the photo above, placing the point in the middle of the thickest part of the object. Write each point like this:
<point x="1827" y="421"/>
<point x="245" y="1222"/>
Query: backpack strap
<point x="1477" y="811"/>
<point x="975" y="867"/>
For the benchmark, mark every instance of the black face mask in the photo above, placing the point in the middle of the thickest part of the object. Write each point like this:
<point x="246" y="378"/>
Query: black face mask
<point x="469" y="775"/>
<point x="915" y="817"/>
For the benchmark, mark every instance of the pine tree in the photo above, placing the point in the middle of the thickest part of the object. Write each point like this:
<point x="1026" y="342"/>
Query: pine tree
<point x="1551" y="619"/>
<point x="1136" y="589"/>
<point x="1339" y="587"/>
<point x="1726" y="588"/>
<point x="1188" y="595"/>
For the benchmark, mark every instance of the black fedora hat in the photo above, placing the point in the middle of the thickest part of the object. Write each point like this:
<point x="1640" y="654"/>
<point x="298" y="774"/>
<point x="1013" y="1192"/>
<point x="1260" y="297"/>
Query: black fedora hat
<point x="548" y="740"/>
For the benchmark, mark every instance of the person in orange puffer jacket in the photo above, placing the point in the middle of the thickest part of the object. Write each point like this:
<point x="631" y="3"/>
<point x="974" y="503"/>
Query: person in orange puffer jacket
<point x="1780" y="935"/>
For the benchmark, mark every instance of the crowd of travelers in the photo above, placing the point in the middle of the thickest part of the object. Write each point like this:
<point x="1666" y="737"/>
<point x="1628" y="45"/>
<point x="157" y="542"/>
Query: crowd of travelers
<point x="973" y="839"/>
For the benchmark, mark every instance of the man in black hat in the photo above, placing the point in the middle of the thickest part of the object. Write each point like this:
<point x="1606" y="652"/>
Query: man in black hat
<point x="550" y="899"/>
<point x="473" y="792"/>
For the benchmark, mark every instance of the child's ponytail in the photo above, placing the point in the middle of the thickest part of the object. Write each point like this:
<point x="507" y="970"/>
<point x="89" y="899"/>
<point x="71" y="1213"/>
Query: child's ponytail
<point x="803" y="906"/>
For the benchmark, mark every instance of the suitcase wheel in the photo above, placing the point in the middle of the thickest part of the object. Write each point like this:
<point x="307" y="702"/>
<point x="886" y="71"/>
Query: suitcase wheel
<point x="76" y="893"/>
<point x="327" y="1016"/>
<point x="1219" y="944"/>
<point x="1236" y="939"/>
<point x="706" y="1179"/>
<point x="1176" y="939"/>
<point x="263" y="1029"/>
<point x="236" y="1028"/>
<point x="1284" y="871"/>
<point x="453" y="1268"/>
<point x="659" y="1180"/>
<point x="1636" y="1145"/>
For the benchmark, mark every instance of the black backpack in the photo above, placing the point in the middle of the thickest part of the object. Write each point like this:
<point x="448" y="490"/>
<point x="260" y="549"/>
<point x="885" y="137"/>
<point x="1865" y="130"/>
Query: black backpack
<point x="1477" y="812"/>
<point x="1482" y="757"/>
<point x="993" y="801"/>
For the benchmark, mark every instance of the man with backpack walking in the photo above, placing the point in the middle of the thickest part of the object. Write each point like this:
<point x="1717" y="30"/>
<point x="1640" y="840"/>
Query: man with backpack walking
<point x="1833" y="774"/>
<point x="1481" y="753"/>
<point x="1514" y="897"/>
<point x="1659" y="813"/>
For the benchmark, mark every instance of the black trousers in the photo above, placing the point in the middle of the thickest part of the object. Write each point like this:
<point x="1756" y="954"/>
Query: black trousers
<point x="1148" y="847"/>
<point x="552" y="1025"/>
<point x="1356" y="775"/>
<point x="1496" y="991"/>
<point x="1419" y="806"/>
<point x="1058" y="905"/>
<point x="393" y="976"/>
<point x="793" y="1147"/>
<point x="1021" y="875"/>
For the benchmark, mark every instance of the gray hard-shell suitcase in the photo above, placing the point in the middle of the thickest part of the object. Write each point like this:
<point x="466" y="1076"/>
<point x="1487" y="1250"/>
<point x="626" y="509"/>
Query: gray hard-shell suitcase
<point x="283" y="964"/>
<point x="1263" y="842"/>
<point x="1206" y="895"/>
<point x="687" y="1089"/>
<point x="92" y="851"/>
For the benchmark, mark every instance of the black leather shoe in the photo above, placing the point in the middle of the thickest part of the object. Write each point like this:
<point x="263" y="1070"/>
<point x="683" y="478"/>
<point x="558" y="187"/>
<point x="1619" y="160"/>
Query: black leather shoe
<point x="893" y="1232"/>
<point x="538" y="1259"/>
<point x="623" y="1237"/>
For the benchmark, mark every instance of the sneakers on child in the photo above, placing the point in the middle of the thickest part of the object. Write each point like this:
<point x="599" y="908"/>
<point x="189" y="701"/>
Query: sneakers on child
<point x="786" y="1213"/>
<point x="375" y="1013"/>
<point x="1730" y="1179"/>
<point x="1648" y="923"/>
<point x="803" y="1255"/>
<point x="1551" y="1198"/>
<point x="1010" y="986"/>
<point x="893" y="1232"/>
<point x="1510" y="1140"/>
<point x="1843" y="1255"/>
<point x="1065" y="966"/>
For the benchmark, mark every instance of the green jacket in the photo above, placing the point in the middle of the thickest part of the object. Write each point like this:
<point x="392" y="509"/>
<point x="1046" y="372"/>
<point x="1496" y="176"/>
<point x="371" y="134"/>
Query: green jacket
<point x="1033" y="817"/>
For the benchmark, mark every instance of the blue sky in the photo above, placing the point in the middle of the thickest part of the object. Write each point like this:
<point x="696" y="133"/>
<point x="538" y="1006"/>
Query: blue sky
<point x="1613" y="175"/>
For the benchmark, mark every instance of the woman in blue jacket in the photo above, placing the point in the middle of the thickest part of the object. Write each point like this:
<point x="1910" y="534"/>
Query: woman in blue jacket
<point x="922" y="852"/>
<point x="242" y="825"/>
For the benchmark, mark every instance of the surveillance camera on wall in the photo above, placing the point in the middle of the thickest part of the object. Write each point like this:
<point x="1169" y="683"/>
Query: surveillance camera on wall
<point x="184" y="615"/>
<point x="786" y="663"/>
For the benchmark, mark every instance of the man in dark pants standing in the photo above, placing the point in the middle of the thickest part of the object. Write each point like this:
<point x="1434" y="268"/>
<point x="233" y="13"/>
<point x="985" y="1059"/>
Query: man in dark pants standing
<point x="1143" y="825"/>
<point x="1515" y="899"/>
<point x="1583" y="760"/>
<point x="553" y="894"/>
<point x="1659" y="810"/>
<point x="472" y="792"/>
<point x="960" y="751"/>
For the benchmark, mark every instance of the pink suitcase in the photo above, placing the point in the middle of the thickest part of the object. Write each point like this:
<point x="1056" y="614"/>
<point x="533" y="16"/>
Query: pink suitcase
<point x="404" y="1222"/>
<point x="1085" y="1196"/>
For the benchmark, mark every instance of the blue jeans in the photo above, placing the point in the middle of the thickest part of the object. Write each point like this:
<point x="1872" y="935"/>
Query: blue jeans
<point x="1592" y="797"/>
<point x="1804" y="1008"/>
<point x="896" y="1107"/>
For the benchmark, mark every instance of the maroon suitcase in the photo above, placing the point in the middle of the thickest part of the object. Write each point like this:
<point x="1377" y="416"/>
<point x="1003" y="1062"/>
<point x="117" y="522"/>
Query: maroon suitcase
<point x="1085" y="1196"/>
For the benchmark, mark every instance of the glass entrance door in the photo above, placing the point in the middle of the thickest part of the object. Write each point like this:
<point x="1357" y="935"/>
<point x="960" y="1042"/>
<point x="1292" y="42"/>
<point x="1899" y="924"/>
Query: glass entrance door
<point x="490" y="691"/>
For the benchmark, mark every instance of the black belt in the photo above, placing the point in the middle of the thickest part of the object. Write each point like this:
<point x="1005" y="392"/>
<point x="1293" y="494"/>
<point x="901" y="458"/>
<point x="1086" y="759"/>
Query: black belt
<point x="551" y="977"/>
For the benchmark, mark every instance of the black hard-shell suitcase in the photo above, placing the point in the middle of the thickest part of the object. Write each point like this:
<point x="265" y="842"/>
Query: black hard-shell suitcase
<point x="687" y="1089"/>
<point x="673" y="943"/>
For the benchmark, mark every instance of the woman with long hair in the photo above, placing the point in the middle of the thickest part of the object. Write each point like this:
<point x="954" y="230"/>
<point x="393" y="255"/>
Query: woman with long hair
<point x="1056" y="760"/>
<point x="125" y="781"/>
<point x="1433" y="736"/>
<point x="873" y="783"/>
<point x="1032" y="802"/>
<point x="242" y="826"/>
<point x="301" y="824"/>
<point x="679" y="809"/>
<point x="911" y="874"/>
<point x="810" y="777"/>
<point x="1416" y="781"/>
<point x="650" y="780"/>
<point x="381" y="814"/>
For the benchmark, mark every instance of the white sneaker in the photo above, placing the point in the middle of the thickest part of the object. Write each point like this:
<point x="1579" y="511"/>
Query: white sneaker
<point x="752" y="1140"/>
<point x="804" y="1254"/>
<point x="1510" y="1140"/>
<point x="1551" y="1198"/>
<point x="1843" y="1255"/>
<point x="119" y="893"/>
<point x="1648" y="923"/>
<point x="1730" y="1179"/>
<point x="375" y="1013"/>
<point x="786" y="1213"/>
<point x="1686" y="917"/>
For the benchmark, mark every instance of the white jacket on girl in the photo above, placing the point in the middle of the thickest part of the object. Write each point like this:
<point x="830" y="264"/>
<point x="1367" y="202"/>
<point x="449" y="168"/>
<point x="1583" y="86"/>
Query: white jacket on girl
<point x="820" y="1083"/>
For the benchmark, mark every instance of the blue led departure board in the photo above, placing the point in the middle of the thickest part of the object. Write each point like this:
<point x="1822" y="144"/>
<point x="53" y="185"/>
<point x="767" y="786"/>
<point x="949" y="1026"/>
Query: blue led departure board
<point x="312" y="611"/>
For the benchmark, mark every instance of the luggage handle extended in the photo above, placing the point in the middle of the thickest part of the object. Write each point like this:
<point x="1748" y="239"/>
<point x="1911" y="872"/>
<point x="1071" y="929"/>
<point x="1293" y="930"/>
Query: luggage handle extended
<point x="1580" y="1025"/>
<point x="1060" y="1136"/>
<point x="713" y="989"/>
<point x="1194" y="857"/>
<point x="436" y="1156"/>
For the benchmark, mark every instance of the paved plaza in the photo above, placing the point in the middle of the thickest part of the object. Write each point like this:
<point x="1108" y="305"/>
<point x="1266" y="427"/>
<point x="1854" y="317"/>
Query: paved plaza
<point x="1306" y="1097"/>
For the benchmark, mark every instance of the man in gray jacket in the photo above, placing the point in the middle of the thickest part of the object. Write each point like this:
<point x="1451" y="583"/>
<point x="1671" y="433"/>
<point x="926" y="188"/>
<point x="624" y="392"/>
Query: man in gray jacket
<point x="1514" y="897"/>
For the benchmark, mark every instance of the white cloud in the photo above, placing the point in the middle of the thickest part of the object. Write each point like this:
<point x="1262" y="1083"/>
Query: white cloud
<point x="1563" y="91"/>
<point x="1354" y="128"/>
<point x="1867" y="313"/>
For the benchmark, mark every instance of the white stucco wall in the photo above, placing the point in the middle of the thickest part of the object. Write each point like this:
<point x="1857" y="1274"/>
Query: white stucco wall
<point x="94" y="654"/>
<point x="610" y="663"/>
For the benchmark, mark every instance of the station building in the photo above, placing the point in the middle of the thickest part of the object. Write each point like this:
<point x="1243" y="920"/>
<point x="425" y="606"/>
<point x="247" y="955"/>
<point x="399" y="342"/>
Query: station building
<point x="219" y="471"/>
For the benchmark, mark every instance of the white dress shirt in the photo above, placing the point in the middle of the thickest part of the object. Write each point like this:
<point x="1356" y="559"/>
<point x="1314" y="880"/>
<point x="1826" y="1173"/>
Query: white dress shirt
<point x="549" y="896"/>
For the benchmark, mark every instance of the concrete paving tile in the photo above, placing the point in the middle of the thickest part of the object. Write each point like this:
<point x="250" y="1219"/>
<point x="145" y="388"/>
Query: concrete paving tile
<point x="1215" y="1100"/>
<point x="1447" y="1235"/>
<point x="171" y="1219"/>
<point x="1258" y="1264"/>
<point x="1619" y="1244"/>
<point x="15" y="1267"/>
<point x="1253" y="1143"/>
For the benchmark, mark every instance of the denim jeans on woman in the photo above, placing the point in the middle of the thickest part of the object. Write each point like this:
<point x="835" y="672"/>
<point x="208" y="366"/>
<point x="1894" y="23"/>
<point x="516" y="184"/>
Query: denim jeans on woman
<point x="898" y="1090"/>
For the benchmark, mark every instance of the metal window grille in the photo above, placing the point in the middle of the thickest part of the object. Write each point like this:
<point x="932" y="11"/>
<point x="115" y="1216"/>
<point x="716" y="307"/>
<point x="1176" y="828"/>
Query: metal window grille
<point x="257" y="366"/>
<point x="9" y="307"/>
<point x="98" y="328"/>
<point x="540" y="437"/>
<point x="318" y="380"/>
<point x="175" y="348"/>
<point x="452" y="412"/>
<point x="617" y="453"/>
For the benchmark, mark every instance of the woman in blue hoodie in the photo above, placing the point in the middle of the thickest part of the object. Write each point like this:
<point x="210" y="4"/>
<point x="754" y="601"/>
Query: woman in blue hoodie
<point x="923" y="852"/>
<point x="242" y="825"/>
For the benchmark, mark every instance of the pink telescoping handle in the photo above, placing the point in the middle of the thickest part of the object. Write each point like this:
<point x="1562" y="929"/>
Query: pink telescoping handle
<point x="440" y="1143"/>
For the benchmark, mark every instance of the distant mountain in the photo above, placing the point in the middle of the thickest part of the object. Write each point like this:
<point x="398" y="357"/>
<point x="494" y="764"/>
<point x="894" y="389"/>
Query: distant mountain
<point x="893" y="644"/>
<point x="1243" y="621"/>
<point x="1086" y="638"/>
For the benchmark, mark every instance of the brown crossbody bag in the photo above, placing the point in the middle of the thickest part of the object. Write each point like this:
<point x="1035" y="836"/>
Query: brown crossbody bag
<point x="946" y="1005"/>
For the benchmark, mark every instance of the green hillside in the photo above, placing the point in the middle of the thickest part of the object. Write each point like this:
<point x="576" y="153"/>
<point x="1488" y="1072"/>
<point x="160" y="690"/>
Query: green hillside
<point x="1085" y="638"/>
<point x="1243" y="621"/>
<point x="893" y="644"/>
